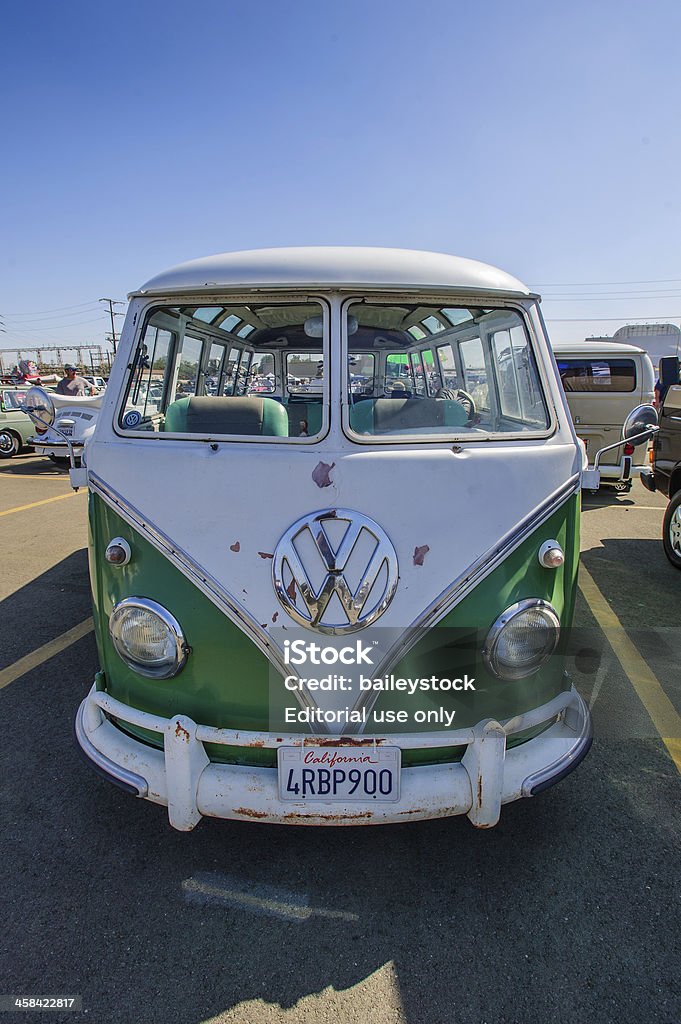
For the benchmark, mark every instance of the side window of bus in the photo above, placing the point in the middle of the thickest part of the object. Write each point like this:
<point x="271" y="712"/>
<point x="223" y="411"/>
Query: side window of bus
<point x="432" y="372"/>
<point x="188" y="366"/>
<point x="145" y="396"/>
<point x="519" y="389"/>
<point x="214" y="369"/>
<point x="448" y="371"/>
<point x="475" y="372"/>
<point x="418" y="373"/>
<point x="398" y="375"/>
<point x="229" y="371"/>
<point x="242" y="373"/>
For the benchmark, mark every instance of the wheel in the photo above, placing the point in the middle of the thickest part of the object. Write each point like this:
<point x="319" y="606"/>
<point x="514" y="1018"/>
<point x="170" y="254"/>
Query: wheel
<point x="9" y="444"/>
<point x="623" y="486"/>
<point x="671" y="531"/>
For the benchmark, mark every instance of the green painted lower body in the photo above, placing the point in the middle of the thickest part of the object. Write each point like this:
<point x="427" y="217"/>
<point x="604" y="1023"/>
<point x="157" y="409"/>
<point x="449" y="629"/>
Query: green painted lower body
<point x="227" y="679"/>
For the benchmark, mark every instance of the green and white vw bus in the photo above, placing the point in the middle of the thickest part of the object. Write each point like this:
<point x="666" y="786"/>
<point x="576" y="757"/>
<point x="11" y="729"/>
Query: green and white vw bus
<point x="334" y="515"/>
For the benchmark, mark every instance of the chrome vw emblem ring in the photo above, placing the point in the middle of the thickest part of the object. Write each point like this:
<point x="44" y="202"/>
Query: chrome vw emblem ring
<point x="335" y="571"/>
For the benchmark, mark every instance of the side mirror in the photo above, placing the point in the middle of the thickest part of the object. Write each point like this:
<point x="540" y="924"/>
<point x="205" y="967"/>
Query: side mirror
<point x="40" y="408"/>
<point x="640" y="425"/>
<point x="670" y="372"/>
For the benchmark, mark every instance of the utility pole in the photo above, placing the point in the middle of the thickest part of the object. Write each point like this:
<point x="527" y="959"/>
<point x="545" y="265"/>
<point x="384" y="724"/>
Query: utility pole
<point x="112" y="303"/>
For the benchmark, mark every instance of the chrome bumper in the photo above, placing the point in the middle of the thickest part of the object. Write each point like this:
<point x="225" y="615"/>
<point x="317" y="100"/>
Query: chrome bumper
<point x="45" y="447"/>
<point x="182" y="777"/>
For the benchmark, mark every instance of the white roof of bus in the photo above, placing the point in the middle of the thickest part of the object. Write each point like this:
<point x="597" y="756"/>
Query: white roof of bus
<point x="334" y="266"/>
<point x="593" y="348"/>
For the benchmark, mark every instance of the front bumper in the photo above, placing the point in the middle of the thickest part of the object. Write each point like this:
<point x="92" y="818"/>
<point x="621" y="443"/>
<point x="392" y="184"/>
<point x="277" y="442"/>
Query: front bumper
<point x="182" y="777"/>
<point x="622" y="471"/>
<point x="59" y="448"/>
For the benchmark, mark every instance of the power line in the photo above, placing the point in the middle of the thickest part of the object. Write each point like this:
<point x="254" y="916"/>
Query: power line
<point x="607" y="284"/>
<point x="58" y="309"/>
<point x="645" y="294"/>
<point x="610" y="319"/>
<point x="27" y="321"/>
<point x="24" y="329"/>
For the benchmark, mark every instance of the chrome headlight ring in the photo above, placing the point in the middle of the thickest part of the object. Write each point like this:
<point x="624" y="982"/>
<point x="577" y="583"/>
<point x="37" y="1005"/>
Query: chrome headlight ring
<point x="504" y="667"/>
<point x="176" y="648"/>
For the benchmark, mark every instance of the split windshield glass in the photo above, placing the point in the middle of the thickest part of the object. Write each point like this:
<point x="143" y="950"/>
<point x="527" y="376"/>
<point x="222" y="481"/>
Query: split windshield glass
<point x="254" y="370"/>
<point x="418" y="370"/>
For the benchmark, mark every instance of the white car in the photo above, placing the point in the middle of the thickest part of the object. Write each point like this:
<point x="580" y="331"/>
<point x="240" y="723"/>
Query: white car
<point x="69" y="423"/>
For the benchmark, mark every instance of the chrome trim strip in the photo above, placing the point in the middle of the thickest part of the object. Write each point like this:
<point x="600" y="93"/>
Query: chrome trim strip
<point x="465" y="583"/>
<point x="192" y="571"/>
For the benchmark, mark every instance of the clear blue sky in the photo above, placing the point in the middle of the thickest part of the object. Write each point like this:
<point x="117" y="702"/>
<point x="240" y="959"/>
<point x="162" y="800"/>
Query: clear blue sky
<point x="537" y="136"/>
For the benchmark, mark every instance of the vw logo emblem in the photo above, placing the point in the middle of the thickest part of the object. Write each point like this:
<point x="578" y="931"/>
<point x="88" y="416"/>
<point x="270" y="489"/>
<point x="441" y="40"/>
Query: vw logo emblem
<point x="335" y="571"/>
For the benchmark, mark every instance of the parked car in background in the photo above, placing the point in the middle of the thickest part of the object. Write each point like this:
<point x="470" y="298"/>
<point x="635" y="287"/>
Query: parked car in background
<point x="665" y="475"/>
<point x="96" y="382"/>
<point x="603" y="382"/>
<point x="69" y="424"/>
<point x="16" y="428"/>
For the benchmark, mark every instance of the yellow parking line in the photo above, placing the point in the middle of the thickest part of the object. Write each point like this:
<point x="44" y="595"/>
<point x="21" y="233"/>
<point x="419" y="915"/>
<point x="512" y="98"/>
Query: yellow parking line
<point x="16" y="475"/>
<point x="664" y="715"/>
<point x="44" y="653"/>
<point x="34" y="504"/>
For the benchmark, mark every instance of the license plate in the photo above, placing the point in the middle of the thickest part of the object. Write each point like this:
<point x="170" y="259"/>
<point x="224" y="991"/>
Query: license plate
<point x="339" y="773"/>
<point x="66" y="431"/>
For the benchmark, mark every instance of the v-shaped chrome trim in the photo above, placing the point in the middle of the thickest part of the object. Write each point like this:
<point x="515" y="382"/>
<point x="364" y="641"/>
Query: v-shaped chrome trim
<point x="201" y="579"/>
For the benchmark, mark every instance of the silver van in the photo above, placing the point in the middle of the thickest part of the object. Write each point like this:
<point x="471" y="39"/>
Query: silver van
<point x="603" y="382"/>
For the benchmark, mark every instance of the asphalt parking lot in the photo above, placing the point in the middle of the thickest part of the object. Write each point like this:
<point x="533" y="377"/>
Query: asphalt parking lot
<point x="567" y="911"/>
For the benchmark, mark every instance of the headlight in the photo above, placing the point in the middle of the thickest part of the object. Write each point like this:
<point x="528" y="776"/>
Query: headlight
<point x="522" y="639"/>
<point x="148" y="638"/>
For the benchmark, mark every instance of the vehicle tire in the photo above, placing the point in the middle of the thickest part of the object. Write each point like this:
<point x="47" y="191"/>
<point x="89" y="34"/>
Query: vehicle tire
<point x="623" y="486"/>
<point x="671" y="531"/>
<point x="10" y="445"/>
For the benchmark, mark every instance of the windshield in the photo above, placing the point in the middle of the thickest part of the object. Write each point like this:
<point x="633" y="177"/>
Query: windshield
<point x="232" y="370"/>
<point x="13" y="399"/>
<point x="417" y="370"/>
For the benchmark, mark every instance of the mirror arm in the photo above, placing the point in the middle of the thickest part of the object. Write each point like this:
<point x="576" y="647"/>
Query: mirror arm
<point x="648" y="432"/>
<point x="50" y="426"/>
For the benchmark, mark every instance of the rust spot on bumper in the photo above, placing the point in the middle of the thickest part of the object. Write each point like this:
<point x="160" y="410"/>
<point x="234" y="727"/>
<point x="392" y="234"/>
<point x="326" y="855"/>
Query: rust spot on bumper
<point x="181" y="733"/>
<point x="248" y="812"/>
<point x="330" y="818"/>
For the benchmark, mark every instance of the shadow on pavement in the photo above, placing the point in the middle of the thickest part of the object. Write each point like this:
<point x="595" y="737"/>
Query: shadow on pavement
<point x="565" y="911"/>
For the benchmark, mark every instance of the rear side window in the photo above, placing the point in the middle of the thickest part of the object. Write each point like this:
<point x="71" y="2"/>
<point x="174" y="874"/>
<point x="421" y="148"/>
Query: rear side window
<point x="598" y="375"/>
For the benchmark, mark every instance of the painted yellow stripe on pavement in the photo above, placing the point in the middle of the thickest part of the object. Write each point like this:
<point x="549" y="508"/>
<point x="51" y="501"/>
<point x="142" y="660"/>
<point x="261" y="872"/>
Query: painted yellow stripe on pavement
<point x="44" y="653"/>
<point x="61" y="478"/>
<point x="664" y="715"/>
<point x="35" y="504"/>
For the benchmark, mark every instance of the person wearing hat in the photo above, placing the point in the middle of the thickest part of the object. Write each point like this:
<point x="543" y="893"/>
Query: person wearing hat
<point x="71" y="384"/>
